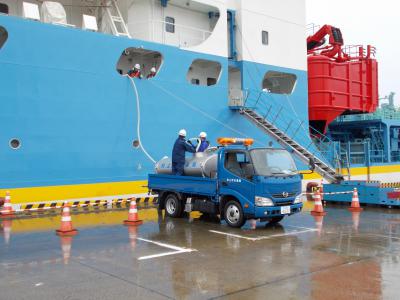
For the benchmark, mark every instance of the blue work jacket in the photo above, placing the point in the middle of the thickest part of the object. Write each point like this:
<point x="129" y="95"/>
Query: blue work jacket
<point x="178" y="152"/>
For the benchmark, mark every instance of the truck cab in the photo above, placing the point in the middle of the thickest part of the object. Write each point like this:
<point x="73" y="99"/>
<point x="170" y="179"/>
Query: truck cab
<point x="248" y="183"/>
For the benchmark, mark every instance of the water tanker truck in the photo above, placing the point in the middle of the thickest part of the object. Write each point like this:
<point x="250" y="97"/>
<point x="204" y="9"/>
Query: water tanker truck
<point x="232" y="180"/>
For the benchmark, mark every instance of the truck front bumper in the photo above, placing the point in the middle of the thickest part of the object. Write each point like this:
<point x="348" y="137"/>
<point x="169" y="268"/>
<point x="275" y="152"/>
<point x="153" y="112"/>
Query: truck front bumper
<point x="275" y="211"/>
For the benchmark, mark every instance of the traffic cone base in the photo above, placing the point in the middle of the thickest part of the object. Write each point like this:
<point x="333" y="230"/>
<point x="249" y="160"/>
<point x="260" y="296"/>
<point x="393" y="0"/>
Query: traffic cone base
<point x="6" y="215"/>
<point x="71" y="232"/>
<point x="318" y="213"/>
<point x="355" y="209"/>
<point x="133" y="223"/>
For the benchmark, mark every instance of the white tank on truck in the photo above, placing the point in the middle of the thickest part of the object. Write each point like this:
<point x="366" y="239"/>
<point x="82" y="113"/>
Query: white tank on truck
<point x="201" y="164"/>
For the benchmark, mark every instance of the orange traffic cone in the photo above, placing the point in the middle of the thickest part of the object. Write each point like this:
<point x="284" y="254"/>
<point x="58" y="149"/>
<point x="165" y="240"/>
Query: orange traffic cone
<point x="66" y="228"/>
<point x="355" y="202"/>
<point x="133" y="217"/>
<point x="7" y="210"/>
<point x="355" y="215"/>
<point x="319" y="223"/>
<point x="66" y="245"/>
<point x="318" y="209"/>
<point x="6" y="224"/>
<point x="132" y="236"/>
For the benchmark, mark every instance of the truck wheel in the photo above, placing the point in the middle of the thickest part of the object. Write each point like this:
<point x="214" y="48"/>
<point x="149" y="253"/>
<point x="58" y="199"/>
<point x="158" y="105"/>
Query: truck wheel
<point x="173" y="206"/>
<point x="275" y="220"/>
<point x="233" y="214"/>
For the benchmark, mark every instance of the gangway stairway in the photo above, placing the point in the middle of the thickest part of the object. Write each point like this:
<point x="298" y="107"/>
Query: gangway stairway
<point x="322" y="168"/>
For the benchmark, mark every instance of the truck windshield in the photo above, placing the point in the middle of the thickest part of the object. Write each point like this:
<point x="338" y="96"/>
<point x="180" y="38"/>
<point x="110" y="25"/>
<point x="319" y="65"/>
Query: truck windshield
<point x="268" y="162"/>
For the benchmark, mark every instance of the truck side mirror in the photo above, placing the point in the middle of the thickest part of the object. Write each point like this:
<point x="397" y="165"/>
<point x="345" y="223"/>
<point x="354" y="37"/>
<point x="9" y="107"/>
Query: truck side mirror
<point x="311" y="164"/>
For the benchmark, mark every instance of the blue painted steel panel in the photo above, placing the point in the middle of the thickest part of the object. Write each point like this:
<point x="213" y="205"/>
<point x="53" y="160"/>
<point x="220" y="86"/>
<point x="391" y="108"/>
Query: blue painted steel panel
<point x="76" y="116"/>
<point x="183" y="184"/>
<point x="368" y="192"/>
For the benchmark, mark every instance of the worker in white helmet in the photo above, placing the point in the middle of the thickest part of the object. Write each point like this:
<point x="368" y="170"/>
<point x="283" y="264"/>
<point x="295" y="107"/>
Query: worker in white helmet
<point x="202" y="143"/>
<point x="135" y="72"/>
<point x="178" y="153"/>
<point x="152" y="73"/>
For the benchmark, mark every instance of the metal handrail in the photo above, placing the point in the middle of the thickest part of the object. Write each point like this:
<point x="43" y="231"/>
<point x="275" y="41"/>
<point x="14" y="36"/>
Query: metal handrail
<point x="379" y="114"/>
<point x="205" y="34"/>
<point x="273" y="115"/>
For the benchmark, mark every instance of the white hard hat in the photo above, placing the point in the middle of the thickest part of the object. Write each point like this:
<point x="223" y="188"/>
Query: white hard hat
<point x="137" y="66"/>
<point x="153" y="69"/>
<point x="203" y="134"/>
<point x="182" y="132"/>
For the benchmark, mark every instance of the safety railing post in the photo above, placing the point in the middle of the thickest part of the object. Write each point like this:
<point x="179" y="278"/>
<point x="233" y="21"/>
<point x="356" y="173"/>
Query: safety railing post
<point x="297" y="130"/>
<point x="258" y="98"/>
<point x="245" y="100"/>
<point x="287" y="128"/>
<point x="277" y="115"/>
<point x="265" y="117"/>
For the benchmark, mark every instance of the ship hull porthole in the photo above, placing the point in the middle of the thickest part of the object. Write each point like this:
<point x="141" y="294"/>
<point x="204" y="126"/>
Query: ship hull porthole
<point x="15" y="144"/>
<point x="3" y="36"/>
<point x="136" y="144"/>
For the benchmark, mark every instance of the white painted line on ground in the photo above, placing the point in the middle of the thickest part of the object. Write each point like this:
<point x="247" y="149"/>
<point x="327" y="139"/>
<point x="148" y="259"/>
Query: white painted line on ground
<point x="258" y="238"/>
<point x="178" y="250"/>
<point x="301" y="227"/>
<point x="164" y="254"/>
<point x="233" y="235"/>
<point x="384" y="236"/>
<point x="286" y="234"/>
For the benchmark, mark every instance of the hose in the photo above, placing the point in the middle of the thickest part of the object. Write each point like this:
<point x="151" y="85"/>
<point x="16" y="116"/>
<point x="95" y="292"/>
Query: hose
<point x="138" y="120"/>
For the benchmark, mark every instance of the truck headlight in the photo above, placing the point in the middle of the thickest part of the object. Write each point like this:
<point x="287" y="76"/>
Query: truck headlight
<point x="262" y="201"/>
<point x="298" y="199"/>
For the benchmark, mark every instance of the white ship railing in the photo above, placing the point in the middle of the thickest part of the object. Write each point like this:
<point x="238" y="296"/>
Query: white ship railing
<point x="154" y="31"/>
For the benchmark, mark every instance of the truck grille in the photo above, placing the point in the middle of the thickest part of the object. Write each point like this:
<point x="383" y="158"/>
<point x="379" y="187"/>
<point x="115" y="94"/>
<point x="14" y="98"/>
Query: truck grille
<point x="283" y="203"/>
<point x="280" y="196"/>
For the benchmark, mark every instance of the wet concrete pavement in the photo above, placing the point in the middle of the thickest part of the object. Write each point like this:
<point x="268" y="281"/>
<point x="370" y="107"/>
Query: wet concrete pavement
<point x="341" y="256"/>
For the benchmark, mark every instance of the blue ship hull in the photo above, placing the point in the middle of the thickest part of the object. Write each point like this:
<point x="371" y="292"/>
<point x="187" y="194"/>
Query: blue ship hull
<point x="75" y="116"/>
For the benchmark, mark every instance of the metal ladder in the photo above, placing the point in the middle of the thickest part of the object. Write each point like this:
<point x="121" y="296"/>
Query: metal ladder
<point x="322" y="168"/>
<point x="117" y="23"/>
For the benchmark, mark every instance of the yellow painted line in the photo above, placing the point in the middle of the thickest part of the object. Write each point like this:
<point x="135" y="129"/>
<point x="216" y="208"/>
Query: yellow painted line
<point x="84" y="220"/>
<point x="50" y="193"/>
<point x="360" y="171"/>
<point x="101" y="217"/>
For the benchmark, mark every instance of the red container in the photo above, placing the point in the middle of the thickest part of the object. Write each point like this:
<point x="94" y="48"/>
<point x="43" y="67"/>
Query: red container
<point x="336" y="88"/>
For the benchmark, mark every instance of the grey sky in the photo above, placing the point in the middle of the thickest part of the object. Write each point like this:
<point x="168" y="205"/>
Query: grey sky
<point x="366" y="22"/>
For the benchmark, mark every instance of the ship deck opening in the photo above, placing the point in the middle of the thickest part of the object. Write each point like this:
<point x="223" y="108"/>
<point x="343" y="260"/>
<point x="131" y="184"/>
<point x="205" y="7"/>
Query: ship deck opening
<point x="147" y="59"/>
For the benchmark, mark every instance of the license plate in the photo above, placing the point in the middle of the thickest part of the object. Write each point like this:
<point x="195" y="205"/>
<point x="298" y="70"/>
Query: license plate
<point x="285" y="210"/>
